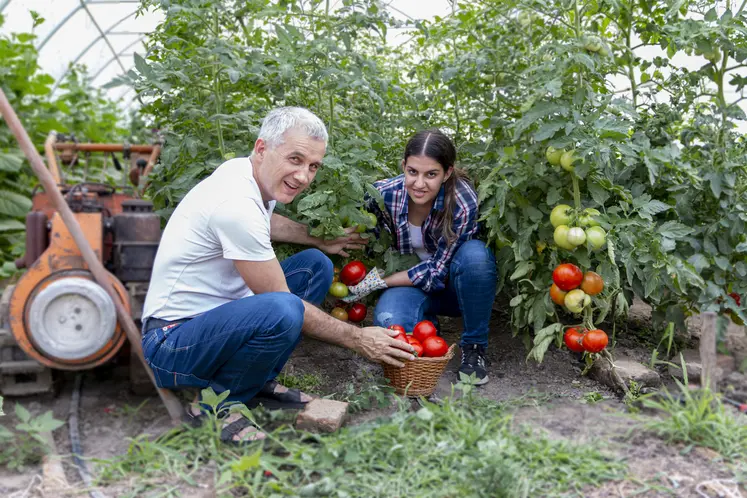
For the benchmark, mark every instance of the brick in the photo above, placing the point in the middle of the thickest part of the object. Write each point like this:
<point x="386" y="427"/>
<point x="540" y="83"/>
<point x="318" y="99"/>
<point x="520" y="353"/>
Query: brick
<point x="322" y="415"/>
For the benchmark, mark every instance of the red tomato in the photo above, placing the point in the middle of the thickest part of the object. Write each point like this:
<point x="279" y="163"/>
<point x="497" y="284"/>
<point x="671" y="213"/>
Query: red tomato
<point x="573" y="340"/>
<point x="423" y="330"/>
<point x="357" y="312"/>
<point x="736" y="298"/>
<point x="567" y="276"/>
<point x="557" y="295"/>
<point x="595" y="340"/>
<point x="592" y="283"/>
<point x="415" y="345"/>
<point x="402" y="336"/>
<point x="434" y="346"/>
<point x="352" y="273"/>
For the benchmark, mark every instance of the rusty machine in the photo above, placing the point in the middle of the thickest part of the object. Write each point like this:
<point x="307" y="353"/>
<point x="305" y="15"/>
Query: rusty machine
<point x="56" y="316"/>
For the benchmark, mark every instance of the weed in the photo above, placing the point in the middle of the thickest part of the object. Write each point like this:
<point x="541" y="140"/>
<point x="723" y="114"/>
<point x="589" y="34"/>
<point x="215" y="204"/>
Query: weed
<point x="592" y="397"/>
<point x="371" y="395"/>
<point x="449" y="449"/>
<point x="308" y="383"/>
<point x="26" y="445"/>
<point x="698" y="417"/>
<point x="633" y="396"/>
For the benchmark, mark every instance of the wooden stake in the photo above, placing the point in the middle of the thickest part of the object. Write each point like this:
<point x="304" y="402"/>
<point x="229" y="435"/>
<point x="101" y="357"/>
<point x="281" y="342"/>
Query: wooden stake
<point x="708" y="351"/>
<point x="97" y="269"/>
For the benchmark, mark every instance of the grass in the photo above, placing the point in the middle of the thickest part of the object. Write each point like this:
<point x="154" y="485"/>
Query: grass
<point x="698" y="417"/>
<point x="308" y="383"/>
<point x="462" y="447"/>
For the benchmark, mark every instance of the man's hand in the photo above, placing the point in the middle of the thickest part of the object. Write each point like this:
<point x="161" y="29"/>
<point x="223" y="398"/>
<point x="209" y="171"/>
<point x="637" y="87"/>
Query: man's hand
<point x="378" y="344"/>
<point x="372" y="282"/>
<point x="351" y="241"/>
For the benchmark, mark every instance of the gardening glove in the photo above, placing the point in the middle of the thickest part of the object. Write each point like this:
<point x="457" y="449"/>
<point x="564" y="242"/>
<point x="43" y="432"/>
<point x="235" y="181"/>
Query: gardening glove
<point x="372" y="282"/>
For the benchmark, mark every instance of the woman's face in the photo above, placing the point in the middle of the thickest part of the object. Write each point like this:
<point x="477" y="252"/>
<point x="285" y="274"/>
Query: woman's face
<point x="423" y="179"/>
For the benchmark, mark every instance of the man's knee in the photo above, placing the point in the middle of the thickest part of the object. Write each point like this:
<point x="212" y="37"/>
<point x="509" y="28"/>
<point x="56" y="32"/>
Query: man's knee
<point x="291" y="309"/>
<point x="320" y="262"/>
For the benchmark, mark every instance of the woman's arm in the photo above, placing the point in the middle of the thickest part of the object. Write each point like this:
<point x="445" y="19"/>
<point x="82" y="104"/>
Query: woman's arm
<point x="399" y="279"/>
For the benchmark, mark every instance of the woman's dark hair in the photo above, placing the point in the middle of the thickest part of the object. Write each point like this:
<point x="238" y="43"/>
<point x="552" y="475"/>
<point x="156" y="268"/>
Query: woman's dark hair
<point x="437" y="146"/>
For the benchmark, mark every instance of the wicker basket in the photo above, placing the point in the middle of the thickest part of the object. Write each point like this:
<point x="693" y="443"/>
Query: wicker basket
<point x="419" y="376"/>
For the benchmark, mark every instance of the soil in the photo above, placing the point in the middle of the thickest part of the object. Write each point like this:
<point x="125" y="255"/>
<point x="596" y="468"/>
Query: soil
<point x="550" y="398"/>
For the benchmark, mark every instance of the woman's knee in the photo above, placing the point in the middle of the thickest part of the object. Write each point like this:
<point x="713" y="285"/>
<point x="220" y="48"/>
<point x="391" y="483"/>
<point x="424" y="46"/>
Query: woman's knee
<point x="476" y="257"/>
<point x="399" y="306"/>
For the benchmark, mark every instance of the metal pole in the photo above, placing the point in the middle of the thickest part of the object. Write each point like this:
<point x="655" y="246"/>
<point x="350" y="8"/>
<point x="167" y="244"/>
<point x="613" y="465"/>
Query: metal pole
<point x="97" y="269"/>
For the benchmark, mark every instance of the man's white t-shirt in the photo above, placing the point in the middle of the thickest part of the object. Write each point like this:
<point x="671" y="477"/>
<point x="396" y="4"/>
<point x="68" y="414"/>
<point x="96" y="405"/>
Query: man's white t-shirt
<point x="416" y="239"/>
<point x="223" y="218"/>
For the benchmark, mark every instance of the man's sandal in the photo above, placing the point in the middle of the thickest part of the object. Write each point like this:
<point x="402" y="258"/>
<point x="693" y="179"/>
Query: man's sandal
<point x="267" y="397"/>
<point x="230" y="429"/>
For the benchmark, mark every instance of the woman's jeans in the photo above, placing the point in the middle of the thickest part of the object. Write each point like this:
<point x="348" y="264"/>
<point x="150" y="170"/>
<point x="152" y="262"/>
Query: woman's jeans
<point x="469" y="293"/>
<point x="240" y="345"/>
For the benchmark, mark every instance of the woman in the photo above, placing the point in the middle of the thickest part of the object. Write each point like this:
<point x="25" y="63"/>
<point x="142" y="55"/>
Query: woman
<point x="431" y="211"/>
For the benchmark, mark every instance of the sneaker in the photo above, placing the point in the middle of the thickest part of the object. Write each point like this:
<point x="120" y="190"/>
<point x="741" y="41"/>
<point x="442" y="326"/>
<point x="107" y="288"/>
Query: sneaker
<point x="473" y="361"/>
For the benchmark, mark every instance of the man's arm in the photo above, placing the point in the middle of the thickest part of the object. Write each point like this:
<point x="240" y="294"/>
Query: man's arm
<point x="374" y="343"/>
<point x="284" y="230"/>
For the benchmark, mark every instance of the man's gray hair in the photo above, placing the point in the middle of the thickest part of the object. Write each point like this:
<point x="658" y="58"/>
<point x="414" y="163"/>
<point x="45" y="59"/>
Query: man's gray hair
<point x="282" y="119"/>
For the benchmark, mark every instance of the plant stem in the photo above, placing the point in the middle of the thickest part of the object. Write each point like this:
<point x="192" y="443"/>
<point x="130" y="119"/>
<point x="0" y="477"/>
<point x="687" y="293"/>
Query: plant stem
<point x="631" y="71"/>
<point x="576" y="192"/>
<point x="217" y="91"/>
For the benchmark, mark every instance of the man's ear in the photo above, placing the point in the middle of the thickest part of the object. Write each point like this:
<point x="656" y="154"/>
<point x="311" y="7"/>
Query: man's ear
<point x="402" y="165"/>
<point x="260" y="148"/>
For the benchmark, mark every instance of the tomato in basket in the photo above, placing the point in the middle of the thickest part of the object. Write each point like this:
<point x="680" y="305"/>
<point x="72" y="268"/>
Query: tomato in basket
<point x="434" y="347"/>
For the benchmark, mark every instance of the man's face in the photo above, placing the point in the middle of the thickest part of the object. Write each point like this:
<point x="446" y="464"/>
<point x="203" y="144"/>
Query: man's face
<point x="285" y="171"/>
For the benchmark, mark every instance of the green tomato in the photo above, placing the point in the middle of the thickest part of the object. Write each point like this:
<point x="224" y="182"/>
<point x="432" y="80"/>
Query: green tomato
<point x="567" y="160"/>
<point x="593" y="44"/>
<point x="553" y="155"/>
<point x="560" y="236"/>
<point x="338" y="289"/>
<point x="560" y="215"/>
<point x="574" y="300"/>
<point x="596" y="237"/>
<point x="587" y="218"/>
<point x="587" y="300"/>
<point x="372" y="221"/>
<point x="576" y="236"/>
<point x="714" y="56"/>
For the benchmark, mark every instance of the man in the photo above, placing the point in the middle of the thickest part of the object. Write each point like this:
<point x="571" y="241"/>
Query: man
<point x="221" y="311"/>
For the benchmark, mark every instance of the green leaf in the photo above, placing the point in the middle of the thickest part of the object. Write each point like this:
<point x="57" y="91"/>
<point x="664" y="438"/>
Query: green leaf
<point x="10" y="162"/>
<point x="247" y="462"/>
<point x="711" y="15"/>
<point x="741" y="247"/>
<point x="516" y="300"/>
<point x="598" y="193"/>
<point x="312" y="201"/>
<point x="142" y="66"/>
<point x="22" y="413"/>
<point x="674" y="230"/>
<point x="424" y="414"/>
<point x="715" y="180"/>
<point x="522" y="269"/>
<point x="654" y="207"/>
<point x="543" y="339"/>
<point x="13" y="204"/>
<point x="699" y="261"/>
<point x="11" y="226"/>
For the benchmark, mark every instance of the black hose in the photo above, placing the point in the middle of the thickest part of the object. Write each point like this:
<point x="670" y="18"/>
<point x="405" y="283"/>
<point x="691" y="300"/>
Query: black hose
<point x="77" y="449"/>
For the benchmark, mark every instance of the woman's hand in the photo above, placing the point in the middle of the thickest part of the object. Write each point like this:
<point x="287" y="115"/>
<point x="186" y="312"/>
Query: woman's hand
<point x="352" y="241"/>
<point x="372" y="282"/>
<point x="378" y="344"/>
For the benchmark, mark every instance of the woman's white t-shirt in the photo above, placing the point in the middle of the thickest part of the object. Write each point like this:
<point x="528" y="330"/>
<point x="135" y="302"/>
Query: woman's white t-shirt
<point x="416" y="238"/>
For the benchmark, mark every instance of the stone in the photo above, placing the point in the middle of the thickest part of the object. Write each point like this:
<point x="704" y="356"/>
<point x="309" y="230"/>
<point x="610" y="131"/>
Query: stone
<point x="627" y="370"/>
<point x="692" y="363"/>
<point x="726" y="364"/>
<point x="322" y="415"/>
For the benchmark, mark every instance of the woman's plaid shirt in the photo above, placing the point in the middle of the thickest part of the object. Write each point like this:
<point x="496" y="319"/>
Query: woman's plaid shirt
<point x="431" y="274"/>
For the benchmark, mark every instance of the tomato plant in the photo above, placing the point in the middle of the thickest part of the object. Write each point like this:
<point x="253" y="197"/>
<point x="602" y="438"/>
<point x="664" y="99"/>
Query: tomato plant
<point x="434" y="346"/>
<point x="423" y="330"/>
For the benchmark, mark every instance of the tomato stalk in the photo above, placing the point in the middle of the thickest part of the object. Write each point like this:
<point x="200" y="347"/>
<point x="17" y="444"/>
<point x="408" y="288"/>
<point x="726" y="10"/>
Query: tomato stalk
<point x="576" y="193"/>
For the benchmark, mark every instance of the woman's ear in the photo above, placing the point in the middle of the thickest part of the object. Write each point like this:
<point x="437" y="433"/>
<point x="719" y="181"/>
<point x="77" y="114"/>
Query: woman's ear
<point x="449" y="172"/>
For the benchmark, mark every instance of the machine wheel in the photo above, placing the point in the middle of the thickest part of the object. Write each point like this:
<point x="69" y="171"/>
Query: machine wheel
<point x="19" y="374"/>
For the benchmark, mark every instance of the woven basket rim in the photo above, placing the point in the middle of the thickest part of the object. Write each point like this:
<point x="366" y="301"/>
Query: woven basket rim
<point x="449" y="355"/>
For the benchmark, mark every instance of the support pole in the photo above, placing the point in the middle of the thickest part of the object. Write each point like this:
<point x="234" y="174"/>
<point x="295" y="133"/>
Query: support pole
<point x="97" y="269"/>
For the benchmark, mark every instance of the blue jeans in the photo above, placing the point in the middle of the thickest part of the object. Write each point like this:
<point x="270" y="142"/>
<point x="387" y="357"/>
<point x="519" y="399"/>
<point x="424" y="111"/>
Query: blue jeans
<point x="469" y="292"/>
<point x="240" y="345"/>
